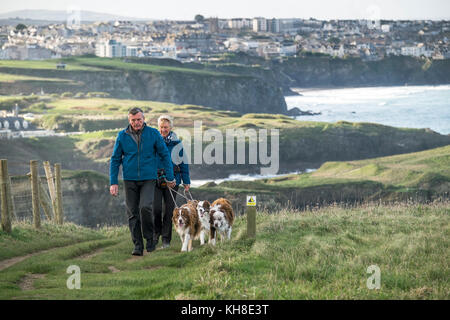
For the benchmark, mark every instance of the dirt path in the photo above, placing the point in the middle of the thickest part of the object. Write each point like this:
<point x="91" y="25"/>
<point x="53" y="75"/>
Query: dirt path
<point x="27" y="282"/>
<point x="91" y="254"/>
<point x="4" y="264"/>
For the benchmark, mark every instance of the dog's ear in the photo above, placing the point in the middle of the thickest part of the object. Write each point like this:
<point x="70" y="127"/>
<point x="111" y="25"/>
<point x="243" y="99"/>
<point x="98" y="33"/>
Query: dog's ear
<point x="206" y="205"/>
<point x="186" y="213"/>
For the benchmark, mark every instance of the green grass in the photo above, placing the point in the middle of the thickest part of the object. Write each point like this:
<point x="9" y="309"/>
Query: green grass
<point x="412" y="170"/>
<point x="5" y="77"/>
<point x="24" y="239"/>
<point x="318" y="254"/>
<point x="400" y="170"/>
<point x="72" y="64"/>
<point x="105" y="64"/>
<point x="118" y="64"/>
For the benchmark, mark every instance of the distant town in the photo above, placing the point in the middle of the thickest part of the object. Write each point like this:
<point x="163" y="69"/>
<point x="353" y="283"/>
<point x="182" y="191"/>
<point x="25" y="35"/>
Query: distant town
<point x="203" y="39"/>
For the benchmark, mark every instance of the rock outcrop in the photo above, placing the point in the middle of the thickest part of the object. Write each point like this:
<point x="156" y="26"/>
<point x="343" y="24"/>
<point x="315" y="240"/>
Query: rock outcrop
<point x="244" y="94"/>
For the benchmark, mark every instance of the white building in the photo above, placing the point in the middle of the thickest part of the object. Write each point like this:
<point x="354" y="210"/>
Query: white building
<point x="386" y="28"/>
<point x="259" y="24"/>
<point x="26" y="52"/>
<point x="416" y="51"/>
<point x="110" y="49"/>
<point x="240" y="23"/>
<point x="132" y="51"/>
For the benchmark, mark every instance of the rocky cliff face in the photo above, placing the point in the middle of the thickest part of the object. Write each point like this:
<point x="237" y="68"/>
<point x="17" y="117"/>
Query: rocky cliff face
<point x="391" y="71"/>
<point x="244" y="94"/>
<point x="326" y="71"/>
<point x="237" y="93"/>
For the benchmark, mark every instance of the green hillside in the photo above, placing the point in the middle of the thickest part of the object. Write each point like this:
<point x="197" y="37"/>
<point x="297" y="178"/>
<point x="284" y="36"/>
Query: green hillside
<point x="318" y="254"/>
<point x="420" y="176"/>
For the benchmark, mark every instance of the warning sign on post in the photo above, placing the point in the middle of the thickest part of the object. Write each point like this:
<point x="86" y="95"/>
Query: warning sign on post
<point x="251" y="201"/>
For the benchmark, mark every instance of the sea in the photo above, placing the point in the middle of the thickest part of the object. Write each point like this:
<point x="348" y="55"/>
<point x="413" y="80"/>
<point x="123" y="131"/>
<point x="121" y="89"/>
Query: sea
<point x="403" y="106"/>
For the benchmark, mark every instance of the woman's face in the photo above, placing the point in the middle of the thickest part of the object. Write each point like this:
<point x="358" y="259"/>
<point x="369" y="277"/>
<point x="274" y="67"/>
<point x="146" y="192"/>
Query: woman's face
<point x="164" y="128"/>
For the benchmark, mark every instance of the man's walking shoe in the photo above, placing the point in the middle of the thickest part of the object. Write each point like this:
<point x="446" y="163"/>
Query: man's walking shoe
<point x="156" y="240"/>
<point x="137" y="252"/>
<point x="165" y="245"/>
<point x="151" y="246"/>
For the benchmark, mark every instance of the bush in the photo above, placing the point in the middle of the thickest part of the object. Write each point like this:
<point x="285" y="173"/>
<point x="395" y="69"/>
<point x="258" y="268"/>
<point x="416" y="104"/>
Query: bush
<point x="67" y="95"/>
<point x="80" y="95"/>
<point x="38" y="107"/>
<point x="24" y="102"/>
<point x="97" y="95"/>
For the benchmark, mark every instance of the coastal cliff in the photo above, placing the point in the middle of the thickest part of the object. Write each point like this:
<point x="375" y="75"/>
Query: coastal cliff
<point x="322" y="71"/>
<point x="241" y="93"/>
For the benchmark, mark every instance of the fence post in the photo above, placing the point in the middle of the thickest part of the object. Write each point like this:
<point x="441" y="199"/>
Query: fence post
<point x="59" y="203"/>
<point x="251" y="216"/>
<point x="11" y="206"/>
<point x="45" y="201"/>
<point x="5" y="209"/>
<point x="35" y="194"/>
<point x="51" y="185"/>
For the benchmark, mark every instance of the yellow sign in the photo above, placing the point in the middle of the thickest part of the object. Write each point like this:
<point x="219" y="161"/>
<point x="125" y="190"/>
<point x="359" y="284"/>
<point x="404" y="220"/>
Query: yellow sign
<point x="251" y="201"/>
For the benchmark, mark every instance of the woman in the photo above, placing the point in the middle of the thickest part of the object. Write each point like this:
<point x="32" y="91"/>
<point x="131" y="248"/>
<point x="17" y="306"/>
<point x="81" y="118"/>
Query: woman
<point x="163" y="224"/>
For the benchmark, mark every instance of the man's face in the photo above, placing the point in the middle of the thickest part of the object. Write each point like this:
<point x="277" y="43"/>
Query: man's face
<point x="136" y="121"/>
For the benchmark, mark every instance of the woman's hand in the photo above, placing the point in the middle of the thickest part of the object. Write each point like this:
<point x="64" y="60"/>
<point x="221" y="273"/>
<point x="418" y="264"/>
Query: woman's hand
<point x="186" y="187"/>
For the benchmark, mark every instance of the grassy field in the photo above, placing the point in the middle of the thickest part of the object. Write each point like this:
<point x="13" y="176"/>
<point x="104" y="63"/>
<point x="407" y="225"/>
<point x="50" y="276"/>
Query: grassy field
<point x="5" y="77"/>
<point x="318" y="254"/>
<point x="405" y="173"/>
<point x="103" y="64"/>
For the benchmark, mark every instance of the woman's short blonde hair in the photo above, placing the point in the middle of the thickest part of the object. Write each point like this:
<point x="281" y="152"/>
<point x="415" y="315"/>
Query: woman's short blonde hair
<point x="165" y="117"/>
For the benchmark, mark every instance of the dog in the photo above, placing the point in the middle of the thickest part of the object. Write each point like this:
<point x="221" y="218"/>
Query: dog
<point x="203" y="208"/>
<point x="221" y="219"/>
<point x="187" y="224"/>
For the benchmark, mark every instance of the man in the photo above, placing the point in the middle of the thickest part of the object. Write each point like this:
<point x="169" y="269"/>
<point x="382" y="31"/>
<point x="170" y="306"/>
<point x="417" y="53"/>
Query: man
<point x="138" y="148"/>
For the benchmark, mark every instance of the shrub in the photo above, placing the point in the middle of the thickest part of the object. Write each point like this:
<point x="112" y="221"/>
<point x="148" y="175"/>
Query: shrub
<point x="97" y="95"/>
<point x="67" y="95"/>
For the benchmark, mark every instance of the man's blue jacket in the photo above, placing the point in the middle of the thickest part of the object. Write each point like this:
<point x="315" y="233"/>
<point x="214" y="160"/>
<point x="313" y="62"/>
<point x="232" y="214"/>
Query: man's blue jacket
<point x="139" y="160"/>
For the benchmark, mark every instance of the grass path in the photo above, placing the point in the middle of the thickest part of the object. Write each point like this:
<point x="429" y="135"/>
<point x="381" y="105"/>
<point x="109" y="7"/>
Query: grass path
<point x="4" y="264"/>
<point x="318" y="254"/>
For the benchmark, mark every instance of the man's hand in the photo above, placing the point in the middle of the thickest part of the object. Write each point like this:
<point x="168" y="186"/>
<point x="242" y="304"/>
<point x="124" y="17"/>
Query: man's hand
<point x="114" y="190"/>
<point x="171" y="184"/>
<point x="186" y="187"/>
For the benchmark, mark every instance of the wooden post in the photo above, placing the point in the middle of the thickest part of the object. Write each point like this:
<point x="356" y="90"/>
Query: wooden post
<point x="51" y="185"/>
<point x="251" y="216"/>
<point x="59" y="218"/>
<point x="11" y="206"/>
<point x="35" y="194"/>
<point x="45" y="201"/>
<point x="4" y="180"/>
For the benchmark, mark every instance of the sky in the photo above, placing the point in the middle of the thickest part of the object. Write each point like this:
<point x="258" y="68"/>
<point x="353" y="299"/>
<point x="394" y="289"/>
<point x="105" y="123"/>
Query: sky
<point x="187" y="9"/>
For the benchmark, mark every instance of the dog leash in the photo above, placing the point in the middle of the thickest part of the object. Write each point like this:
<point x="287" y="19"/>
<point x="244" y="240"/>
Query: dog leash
<point x="184" y="196"/>
<point x="189" y="194"/>
<point x="170" y="191"/>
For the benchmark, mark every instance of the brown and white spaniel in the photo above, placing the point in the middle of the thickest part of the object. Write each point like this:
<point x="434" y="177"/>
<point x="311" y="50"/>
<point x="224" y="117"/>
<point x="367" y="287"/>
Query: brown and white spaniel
<point x="221" y="219"/>
<point x="187" y="224"/>
<point x="203" y="208"/>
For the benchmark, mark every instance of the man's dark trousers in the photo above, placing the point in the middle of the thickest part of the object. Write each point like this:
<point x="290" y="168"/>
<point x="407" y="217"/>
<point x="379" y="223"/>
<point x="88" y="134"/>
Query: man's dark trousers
<point x="139" y="203"/>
